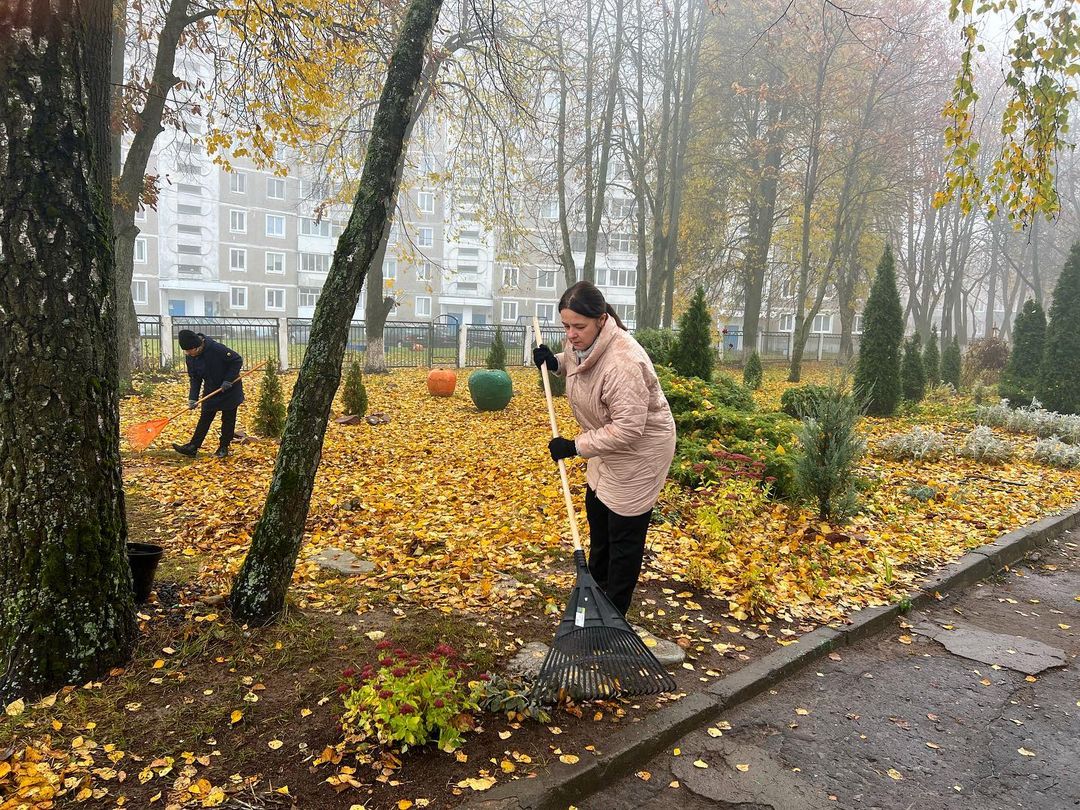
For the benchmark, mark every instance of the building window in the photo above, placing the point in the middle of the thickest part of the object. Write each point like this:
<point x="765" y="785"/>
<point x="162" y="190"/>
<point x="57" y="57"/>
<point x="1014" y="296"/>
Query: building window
<point x="509" y="311"/>
<point x="620" y="243"/>
<point x="315" y="262"/>
<point x="389" y="270"/>
<point x="511" y="277"/>
<point x="425" y="201"/>
<point x="140" y="250"/>
<point x="470" y="235"/>
<point x="275" y="226"/>
<point x="237" y="221"/>
<point x="312" y="190"/>
<point x="275" y="298"/>
<point x="627" y="313"/>
<point x="616" y="277"/>
<point x="189" y="188"/>
<point x="857" y="326"/>
<point x="787" y="323"/>
<point x="238" y="183"/>
<point x="423" y="306"/>
<point x="238" y="297"/>
<point x="467" y="269"/>
<point x="189" y="230"/>
<point x="139" y="292"/>
<point x="546" y="280"/>
<point x="275" y="188"/>
<point x="550" y="209"/>
<point x="309" y="227"/>
<point x="140" y="214"/>
<point x="238" y="260"/>
<point x="392" y="239"/>
<point x="189" y="250"/>
<point x="822" y="323"/>
<point x="425" y="237"/>
<point x="620" y="207"/>
<point x="189" y="210"/>
<point x="545" y="313"/>
<point x="423" y="271"/>
<point x="275" y="262"/>
<point x="307" y="296"/>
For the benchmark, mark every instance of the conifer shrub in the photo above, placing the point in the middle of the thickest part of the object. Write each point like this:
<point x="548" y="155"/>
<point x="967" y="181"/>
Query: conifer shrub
<point x="693" y="355"/>
<point x="1020" y="378"/>
<point x="830" y="447"/>
<point x="931" y="359"/>
<point x="685" y="394"/>
<point x="753" y="372"/>
<point x="877" y="375"/>
<point x="353" y="394"/>
<point x="1059" y="376"/>
<point x="911" y="371"/>
<point x="951" y="364"/>
<point x="657" y="343"/>
<point x="270" y="409"/>
<point x="496" y="356"/>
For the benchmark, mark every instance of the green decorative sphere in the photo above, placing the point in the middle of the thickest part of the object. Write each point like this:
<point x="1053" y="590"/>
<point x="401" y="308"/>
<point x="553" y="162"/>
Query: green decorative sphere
<point x="490" y="389"/>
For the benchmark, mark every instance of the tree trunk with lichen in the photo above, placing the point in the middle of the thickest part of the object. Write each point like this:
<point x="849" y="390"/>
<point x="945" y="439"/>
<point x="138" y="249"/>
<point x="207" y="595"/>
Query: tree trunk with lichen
<point x="66" y="612"/>
<point x="258" y="593"/>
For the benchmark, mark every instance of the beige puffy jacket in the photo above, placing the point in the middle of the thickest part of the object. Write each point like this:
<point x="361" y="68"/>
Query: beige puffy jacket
<point x="629" y="434"/>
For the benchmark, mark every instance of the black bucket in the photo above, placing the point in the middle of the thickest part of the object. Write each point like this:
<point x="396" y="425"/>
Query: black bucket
<point x="143" y="559"/>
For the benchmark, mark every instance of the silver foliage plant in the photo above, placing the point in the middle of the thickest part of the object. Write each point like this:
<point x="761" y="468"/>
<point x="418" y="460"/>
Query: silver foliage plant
<point x="1057" y="453"/>
<point x="919" y="443"/>
<point x="982" y="445"/>
<point x="1032" y="419"/>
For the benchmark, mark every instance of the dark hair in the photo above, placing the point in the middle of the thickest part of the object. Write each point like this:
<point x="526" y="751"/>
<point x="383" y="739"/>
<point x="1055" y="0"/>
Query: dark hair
<point x="585" y="298"/>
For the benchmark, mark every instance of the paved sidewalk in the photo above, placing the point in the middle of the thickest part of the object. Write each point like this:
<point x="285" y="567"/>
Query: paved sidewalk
<point x="898" y="721"/>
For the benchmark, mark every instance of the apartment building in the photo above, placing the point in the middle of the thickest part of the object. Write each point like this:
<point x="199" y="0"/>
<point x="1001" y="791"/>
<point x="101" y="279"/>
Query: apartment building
<point x="247" y="242"/>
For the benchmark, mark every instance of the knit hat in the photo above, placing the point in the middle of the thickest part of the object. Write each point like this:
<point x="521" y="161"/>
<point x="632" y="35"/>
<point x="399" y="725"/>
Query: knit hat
<point x="188" y="339"/>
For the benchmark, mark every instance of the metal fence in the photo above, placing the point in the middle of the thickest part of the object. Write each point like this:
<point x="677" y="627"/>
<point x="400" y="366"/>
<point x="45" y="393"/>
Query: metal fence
<point x="254" y="339"/>
<point x="406" y="344"/>
<point x="779" y="345"/>
<point x="149" y="342"/>
<point x="480" y="337"/>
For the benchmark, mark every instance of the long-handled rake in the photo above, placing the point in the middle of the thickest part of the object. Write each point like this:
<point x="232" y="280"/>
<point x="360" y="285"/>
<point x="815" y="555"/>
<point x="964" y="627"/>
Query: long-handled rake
<point x="595" y="653"/>
<point x="140" y="436"/>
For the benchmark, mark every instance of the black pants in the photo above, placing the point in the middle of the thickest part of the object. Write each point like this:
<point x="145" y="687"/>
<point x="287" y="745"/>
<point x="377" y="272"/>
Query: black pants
<point x="616" y="549"/>
<point x="228" y="427"/>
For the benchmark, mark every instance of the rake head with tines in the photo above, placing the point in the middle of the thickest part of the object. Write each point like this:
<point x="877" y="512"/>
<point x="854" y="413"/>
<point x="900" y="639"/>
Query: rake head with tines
<point x="596" y="654"/>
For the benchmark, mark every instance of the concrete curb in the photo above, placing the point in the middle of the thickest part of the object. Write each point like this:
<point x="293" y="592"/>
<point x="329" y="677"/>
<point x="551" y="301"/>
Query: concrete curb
<point x="564" y="785"/>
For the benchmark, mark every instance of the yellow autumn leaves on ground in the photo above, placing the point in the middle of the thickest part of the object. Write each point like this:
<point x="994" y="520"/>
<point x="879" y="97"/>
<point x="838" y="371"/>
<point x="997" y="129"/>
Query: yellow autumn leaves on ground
<point x="460" y="510"/>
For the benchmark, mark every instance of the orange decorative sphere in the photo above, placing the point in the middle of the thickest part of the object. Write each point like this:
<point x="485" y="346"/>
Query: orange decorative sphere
<point x="441" y="382"/>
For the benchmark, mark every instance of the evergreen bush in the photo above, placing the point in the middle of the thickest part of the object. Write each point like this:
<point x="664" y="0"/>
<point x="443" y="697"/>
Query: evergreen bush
<point x="911" y="371"/>
<point x="877" y="376"/>
<point x="830" y="449"/>
<point x="693" y="394"/>
<point x="657" y="343"/>
<point x="354" y="394"/>
<point x="1021" y="376"/>
<point x="950" y="364"/>
<point x="931" y="360"/>
<point x="693" y="354"/>
<point x="1059" y="376"/>
<point x="270" y="409"/>
<point x="984" y="361"/>
<point x="753" y="372"/>
<point x="496" y="356"/>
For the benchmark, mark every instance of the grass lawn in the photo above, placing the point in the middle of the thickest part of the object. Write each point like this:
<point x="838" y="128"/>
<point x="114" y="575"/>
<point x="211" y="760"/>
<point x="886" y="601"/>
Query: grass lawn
<point x="461" y="515"/>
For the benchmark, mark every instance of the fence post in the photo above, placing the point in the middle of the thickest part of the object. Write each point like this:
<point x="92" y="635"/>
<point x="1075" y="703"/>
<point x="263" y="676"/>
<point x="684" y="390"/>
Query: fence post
<point x="166" y="341"/>
<point x="790" y="344"/>
<point x="431" y="344"/>
<point x="462" y="342"/>
<point x="283" y="343"/>
<point x="820" y="343"/>
<point x="526" y="355"/>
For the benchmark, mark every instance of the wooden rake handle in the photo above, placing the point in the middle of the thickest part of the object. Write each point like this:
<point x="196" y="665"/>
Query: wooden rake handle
<point x="570" y="513"/>
<point x="205" y="397"/>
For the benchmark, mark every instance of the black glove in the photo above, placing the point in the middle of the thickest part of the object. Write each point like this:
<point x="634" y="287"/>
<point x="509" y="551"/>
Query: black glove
<point x="191" y="403"/>
<point x="561" y="448"/>
<point x="542" y="354"/>
<point x="225" y="386"/>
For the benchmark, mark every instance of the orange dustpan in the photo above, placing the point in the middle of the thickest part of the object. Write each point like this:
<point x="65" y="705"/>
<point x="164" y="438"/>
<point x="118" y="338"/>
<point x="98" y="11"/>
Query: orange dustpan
<point x="140" y="436"/>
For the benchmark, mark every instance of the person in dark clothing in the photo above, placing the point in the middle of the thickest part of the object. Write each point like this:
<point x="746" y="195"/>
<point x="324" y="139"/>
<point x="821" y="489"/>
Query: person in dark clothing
<point x="211" y="366"/>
